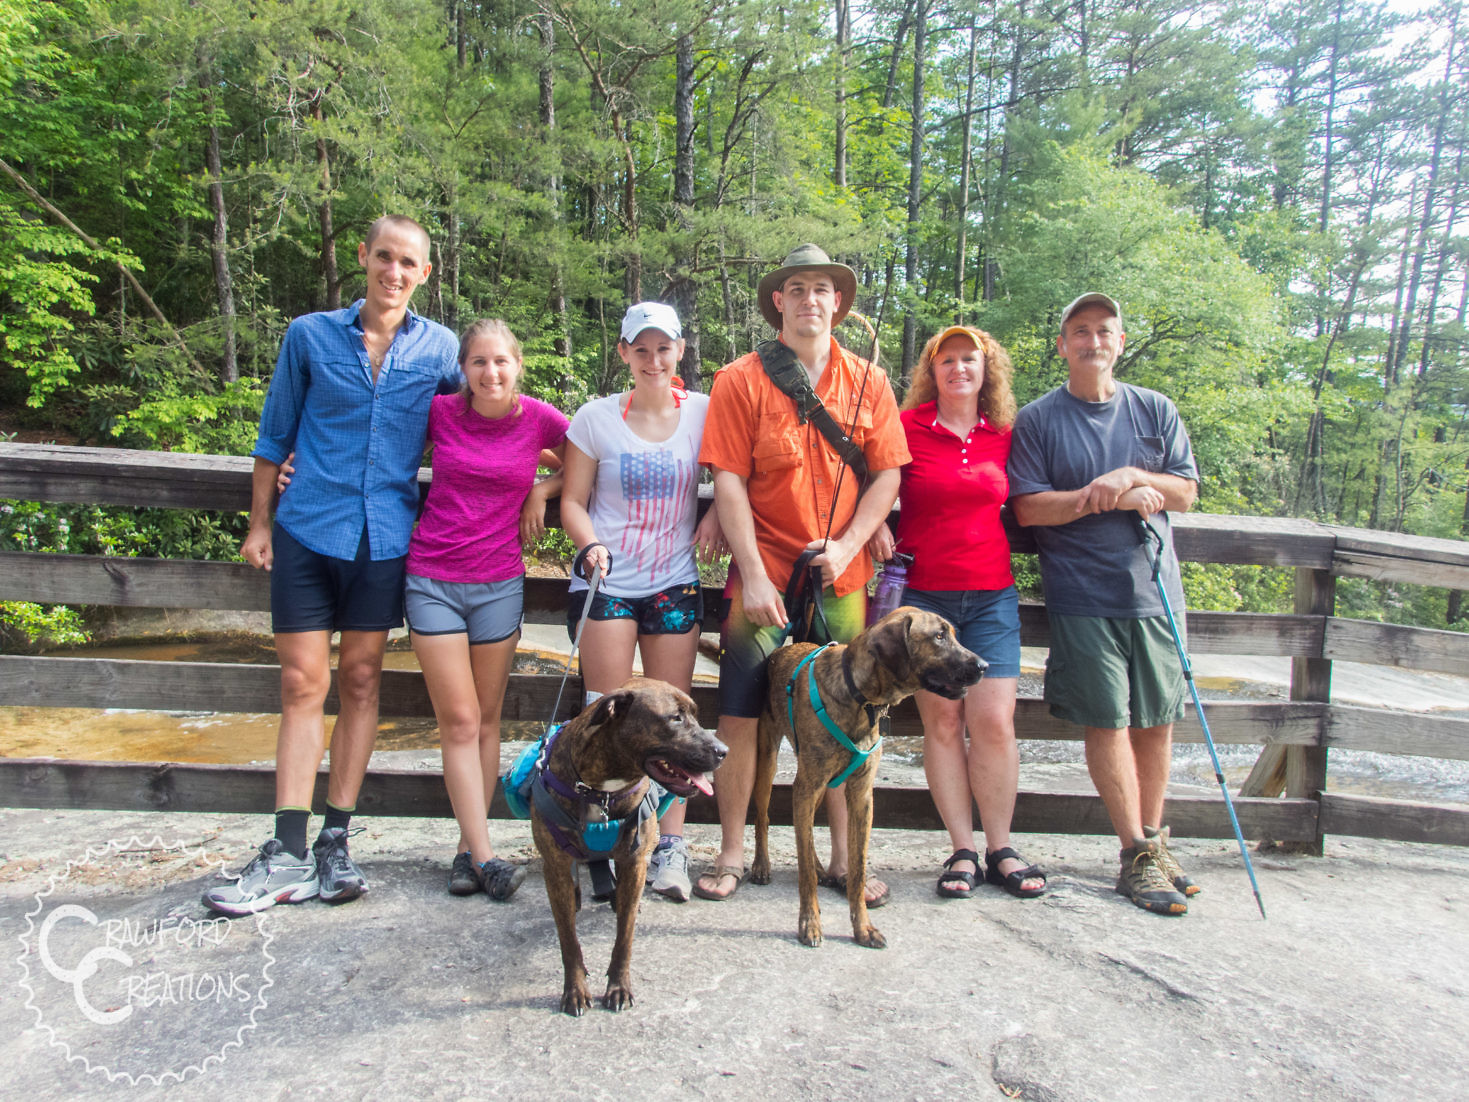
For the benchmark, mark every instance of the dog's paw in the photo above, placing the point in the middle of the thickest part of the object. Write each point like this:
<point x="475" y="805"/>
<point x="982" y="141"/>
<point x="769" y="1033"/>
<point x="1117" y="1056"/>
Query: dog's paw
<point x="870" y="937"/>
<point x="809" y="931"/>
<point x="576" y="1000"/>
<point x="759" y="872"/>
<point x="617" y="996"/>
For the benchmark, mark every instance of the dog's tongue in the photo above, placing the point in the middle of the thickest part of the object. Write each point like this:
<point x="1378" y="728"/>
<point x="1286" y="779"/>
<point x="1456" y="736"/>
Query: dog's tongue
<point x="701" y="782"/>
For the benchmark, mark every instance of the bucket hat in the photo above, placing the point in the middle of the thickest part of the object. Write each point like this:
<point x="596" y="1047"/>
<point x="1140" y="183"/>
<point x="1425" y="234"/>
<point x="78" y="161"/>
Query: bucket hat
<point x="807" y="258"/>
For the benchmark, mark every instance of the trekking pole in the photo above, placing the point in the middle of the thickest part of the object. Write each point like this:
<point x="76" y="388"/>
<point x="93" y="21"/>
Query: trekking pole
<point x="1149" y="536"/>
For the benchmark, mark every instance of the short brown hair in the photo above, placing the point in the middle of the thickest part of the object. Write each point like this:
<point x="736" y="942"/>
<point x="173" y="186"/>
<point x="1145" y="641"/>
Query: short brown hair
<point x="996" y="401"/>
<point x="397" y="222"/>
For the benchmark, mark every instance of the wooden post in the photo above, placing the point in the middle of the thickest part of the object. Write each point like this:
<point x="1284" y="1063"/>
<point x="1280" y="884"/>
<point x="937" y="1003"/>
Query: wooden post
<point x="1300" y="771"/>
<point x="1310" y="679"/>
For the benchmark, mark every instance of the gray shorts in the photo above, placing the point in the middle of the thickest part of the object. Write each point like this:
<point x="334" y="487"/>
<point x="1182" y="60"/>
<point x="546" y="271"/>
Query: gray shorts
<point x="489" y="612"/>
<point x="1114" y="673"/>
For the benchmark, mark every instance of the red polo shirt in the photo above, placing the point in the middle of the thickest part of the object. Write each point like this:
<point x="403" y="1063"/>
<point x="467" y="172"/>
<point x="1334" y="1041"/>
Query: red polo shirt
<point x="949" y="518"/>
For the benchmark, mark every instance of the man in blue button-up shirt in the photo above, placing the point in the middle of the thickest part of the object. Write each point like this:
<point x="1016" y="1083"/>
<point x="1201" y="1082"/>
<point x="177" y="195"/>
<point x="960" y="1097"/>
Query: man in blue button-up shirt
<point x="350" y="396"/>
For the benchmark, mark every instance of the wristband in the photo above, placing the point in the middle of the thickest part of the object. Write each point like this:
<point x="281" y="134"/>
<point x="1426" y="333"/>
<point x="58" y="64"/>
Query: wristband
<point x="579" y="563"/>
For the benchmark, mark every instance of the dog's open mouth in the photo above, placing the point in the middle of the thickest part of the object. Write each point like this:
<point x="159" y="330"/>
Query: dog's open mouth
<point x="678" y="780"/>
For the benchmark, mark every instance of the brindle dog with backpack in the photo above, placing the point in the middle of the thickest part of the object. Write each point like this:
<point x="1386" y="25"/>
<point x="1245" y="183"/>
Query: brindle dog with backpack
<point x="598" y="772"/>
<point x="828" y="701"/>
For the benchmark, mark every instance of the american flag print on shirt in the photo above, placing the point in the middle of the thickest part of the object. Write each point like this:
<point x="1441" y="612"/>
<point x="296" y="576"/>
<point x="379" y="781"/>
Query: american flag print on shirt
<point x="654" y="484"/>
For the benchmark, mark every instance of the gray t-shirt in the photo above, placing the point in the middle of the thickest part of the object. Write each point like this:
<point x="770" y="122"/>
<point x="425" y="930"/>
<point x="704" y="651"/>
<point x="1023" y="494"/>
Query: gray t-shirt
<point x="1096" y="565"/>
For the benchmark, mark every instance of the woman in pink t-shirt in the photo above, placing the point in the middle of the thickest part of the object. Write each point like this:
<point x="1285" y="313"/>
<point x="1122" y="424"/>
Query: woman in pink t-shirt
<point x="957" y="419"/>
<point x="463" y="594"/>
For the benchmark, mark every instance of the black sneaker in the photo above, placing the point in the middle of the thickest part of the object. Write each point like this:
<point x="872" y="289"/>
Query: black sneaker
<point x="462" y="878"/>
<point x="340" y="877"/>
<point x="1143" y="880"/>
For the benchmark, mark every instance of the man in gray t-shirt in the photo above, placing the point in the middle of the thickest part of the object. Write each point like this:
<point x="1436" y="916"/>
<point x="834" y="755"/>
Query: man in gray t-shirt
<point x="1088" y="461"/>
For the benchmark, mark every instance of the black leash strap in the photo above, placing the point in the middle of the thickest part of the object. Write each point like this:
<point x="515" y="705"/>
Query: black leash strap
<point x="803" y="600"/>
<point x="790" y="379"/>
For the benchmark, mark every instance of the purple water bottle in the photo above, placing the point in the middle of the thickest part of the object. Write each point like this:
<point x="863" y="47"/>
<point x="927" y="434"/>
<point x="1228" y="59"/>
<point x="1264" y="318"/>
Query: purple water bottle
<point x="889" y="589"/>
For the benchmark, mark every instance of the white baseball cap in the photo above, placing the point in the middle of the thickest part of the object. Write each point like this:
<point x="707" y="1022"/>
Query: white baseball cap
<point x="650" y="315"/>
<point x="1091" y="298"/>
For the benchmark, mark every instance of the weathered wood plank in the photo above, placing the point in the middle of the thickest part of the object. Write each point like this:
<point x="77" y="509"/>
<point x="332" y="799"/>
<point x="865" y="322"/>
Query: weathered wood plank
<point x="1395" y="557"/>
<point x="136" y="583"/>
<point x="1394" y="820"/>
<point x="217" y="789"/>
<point x="1261" y="541"/>
<point x="119" y="476"/>
<point x="228" y="687"/>
<point x="1397" y="645"/>
<point x="1417" y="734"/>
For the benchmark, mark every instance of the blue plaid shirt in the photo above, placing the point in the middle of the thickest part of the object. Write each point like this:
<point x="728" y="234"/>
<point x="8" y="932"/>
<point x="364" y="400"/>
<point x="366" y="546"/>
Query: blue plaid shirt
<point x="358" y="444"/>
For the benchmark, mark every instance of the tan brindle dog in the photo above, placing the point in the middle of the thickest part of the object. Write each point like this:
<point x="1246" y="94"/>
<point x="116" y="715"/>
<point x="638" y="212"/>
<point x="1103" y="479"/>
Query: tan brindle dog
<point x="905" y="651"/>
<point x="599" y="764"/>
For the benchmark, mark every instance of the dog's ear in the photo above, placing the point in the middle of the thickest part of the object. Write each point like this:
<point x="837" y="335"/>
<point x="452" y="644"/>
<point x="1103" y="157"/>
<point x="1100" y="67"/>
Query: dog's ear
<point x="888" y="643"/>
<point x="608" y="707"/>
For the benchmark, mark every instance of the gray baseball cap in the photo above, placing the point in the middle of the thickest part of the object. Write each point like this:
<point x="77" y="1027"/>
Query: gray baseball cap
<point x="1091" y="298"/>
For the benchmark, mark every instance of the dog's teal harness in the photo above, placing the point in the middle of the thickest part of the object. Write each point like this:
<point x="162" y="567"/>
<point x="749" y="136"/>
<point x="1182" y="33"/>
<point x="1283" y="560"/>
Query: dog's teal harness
<point x="530" y="781"/>
<point x="859" y="757"/>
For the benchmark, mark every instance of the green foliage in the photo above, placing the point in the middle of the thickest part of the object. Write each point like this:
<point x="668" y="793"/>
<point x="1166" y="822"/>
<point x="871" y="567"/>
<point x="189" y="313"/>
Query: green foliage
<point x="27" y="626"/>
<point x="99" y="530"/>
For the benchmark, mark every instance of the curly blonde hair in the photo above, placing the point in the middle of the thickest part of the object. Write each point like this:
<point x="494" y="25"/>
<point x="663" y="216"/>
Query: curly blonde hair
<point x="996" y="401"/>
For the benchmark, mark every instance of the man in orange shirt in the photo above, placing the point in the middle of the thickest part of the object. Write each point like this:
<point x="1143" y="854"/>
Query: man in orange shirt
<point x="777" y="484"/>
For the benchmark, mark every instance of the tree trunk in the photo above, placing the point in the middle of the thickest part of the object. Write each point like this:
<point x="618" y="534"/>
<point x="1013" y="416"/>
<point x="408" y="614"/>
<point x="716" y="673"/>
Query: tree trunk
<point x="839" y="153"/>
<point x="915" y="185"/>
<point x="329" y="274"/>
<point x="961" y="247"/>
<point x="229" y="368"/>
<point x="556" y="296"/>
<point x="685" y="289"/>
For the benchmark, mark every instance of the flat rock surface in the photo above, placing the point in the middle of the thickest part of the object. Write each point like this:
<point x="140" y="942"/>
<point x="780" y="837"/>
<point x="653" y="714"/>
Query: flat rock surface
<point x="1356" y="987"/>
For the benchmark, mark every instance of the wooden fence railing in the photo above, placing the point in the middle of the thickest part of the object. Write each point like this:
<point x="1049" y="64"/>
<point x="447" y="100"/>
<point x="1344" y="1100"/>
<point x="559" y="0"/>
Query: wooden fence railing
<point x="1282" y="800"/>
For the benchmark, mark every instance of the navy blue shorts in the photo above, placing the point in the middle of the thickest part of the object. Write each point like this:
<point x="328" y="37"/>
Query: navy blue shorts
<point x="312" y="592"/>
<point x="677" y="610"/>
<point x="987" y="621"/>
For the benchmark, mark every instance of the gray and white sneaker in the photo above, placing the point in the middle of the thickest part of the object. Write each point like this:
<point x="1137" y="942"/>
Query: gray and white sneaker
<point x="274" y="875"/>
<point x="340" y="877"/>
<point x="668" y="870"/>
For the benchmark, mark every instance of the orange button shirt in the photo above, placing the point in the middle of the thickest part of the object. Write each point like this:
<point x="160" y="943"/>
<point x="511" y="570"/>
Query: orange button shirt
<point x="791" y="470"/>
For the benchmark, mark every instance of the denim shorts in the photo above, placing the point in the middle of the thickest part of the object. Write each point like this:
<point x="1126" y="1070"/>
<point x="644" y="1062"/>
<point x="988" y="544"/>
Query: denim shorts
<point x="987" y="621"/>
<point x="488" y="612"/>
<point x="677" y="610"/>
<point x="315" y="592"/>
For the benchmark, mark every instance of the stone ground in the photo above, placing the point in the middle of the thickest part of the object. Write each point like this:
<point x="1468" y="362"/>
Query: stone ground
<point x="1356" y="987"/>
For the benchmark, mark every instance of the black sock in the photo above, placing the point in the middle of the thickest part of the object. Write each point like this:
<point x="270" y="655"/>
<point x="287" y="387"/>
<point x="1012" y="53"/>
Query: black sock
<point x="290" y="829"/>
<point x="337" y="817"/>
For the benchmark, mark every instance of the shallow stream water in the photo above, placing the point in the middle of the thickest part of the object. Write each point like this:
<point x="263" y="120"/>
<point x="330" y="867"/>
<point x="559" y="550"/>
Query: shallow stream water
<point x="230" y="738"/>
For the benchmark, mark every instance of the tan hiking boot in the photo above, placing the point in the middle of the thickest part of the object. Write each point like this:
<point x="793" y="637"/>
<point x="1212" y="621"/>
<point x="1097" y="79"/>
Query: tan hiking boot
<point x="1143" y="881"/>
<point x="1171" y="868"/>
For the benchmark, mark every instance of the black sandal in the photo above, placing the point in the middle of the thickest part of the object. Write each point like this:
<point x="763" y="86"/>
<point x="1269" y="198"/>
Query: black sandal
<point x="969" y="879"/>
<point x="1012" y="882"/>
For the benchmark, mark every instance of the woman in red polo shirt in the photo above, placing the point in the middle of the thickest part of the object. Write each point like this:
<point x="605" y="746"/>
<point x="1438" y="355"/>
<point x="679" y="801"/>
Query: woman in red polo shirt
<point x="957" y="418"/>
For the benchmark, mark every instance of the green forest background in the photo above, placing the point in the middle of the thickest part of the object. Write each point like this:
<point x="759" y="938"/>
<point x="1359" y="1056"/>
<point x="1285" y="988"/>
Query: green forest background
<point x="1275" y="191"/>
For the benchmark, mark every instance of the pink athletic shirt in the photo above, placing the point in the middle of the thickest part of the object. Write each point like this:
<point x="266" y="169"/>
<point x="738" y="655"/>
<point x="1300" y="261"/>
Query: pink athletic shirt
<point x="483" y="468"/>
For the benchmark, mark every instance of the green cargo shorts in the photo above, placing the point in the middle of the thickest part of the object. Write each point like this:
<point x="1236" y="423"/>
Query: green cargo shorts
<point x="1112" y="673"/>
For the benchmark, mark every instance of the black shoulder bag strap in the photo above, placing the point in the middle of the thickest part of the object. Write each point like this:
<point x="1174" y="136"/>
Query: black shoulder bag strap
<point x="790" y="378"/>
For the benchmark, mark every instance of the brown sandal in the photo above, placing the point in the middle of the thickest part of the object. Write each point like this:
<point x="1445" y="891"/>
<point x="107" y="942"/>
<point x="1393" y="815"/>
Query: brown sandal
<point x="717" y="874"/>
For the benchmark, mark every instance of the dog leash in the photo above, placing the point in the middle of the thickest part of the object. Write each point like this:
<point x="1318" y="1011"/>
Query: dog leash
<point x="581" y="626"/>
